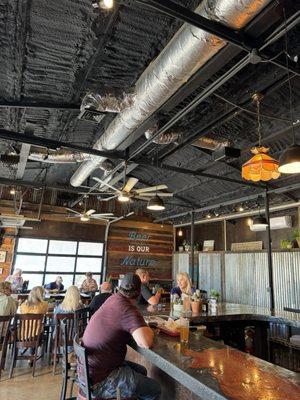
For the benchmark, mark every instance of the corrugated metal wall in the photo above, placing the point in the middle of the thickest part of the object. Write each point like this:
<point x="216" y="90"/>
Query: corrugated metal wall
<point x="246" y="277"/>
<point x="286" y="271"/>
<point x="210" y="272"/>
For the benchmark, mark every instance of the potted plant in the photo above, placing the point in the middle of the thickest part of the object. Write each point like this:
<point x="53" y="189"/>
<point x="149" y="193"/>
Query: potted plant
<point x="196" y="302"/>
<point x="215" y="294"/>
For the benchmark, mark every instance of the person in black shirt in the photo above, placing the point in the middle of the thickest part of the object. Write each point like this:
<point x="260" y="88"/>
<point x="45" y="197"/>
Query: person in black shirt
<point x="146" y="297"/>
<point x="105" y="293"/>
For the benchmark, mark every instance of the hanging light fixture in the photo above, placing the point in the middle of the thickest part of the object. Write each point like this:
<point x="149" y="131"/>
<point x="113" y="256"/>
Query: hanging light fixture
<point x="261" y="167"/>
<point x="156" y="204"/>
<point x="124" y="197"/>
<point x="106" y="4"/>
<point x="180" y="232"/>
<point x="259" y="222"/>
<point x="289" y="161"/>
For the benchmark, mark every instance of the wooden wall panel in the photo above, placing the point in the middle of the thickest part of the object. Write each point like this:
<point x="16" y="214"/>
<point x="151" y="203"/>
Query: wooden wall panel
<point x="134" y="244"/>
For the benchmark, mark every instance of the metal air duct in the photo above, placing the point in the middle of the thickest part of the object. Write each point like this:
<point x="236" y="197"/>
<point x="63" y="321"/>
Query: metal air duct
<point x="188" y="51"/>
<point x="164" y="138"/>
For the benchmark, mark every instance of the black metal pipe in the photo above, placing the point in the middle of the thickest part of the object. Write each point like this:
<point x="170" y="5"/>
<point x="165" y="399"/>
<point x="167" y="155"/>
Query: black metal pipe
<point x="192" y="248"/>
<point x="269" y="253"/>
<point x="55" y="144"/>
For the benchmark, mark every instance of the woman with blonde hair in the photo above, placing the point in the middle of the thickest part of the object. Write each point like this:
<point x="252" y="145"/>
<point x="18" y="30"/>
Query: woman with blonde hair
<point x="184" y="285"/>
<point x="35" y="303"/>
<point x="71" y="301"/>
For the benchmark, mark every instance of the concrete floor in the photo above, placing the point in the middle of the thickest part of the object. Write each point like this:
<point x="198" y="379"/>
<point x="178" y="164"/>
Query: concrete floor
<point x="22" y="386"/>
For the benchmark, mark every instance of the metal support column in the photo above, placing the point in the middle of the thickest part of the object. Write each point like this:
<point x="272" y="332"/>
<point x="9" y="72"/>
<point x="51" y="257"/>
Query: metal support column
<point x="192" y="247"/>
<point x="269" y="252"/>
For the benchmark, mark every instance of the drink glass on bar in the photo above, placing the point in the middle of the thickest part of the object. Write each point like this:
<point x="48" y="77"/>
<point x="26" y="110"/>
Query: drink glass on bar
<point x="184" y="330"/>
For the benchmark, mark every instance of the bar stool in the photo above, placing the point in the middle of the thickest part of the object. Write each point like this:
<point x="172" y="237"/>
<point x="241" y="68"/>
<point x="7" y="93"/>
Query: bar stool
<point x="83" y="380"/>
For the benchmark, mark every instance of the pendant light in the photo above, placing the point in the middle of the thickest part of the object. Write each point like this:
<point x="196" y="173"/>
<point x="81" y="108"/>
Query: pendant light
<point x="261" y="167"/>
<point x="180" y="232"/>
<point x="259" y="222"/>
<point x="156" y="204"/>
<point x="289" y="161"/>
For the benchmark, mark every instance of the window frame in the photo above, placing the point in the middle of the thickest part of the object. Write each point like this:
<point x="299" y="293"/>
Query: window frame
<point x="47" y="254"/>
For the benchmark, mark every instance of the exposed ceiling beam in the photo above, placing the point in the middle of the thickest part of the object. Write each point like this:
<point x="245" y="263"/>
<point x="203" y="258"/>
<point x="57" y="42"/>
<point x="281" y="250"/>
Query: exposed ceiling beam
<point x="186" y="171"/>
<point x="41" y="185"/>
<point x="184" y="14"/>
<point x="288" y="188"/>
<point x="55" y="144"/>
<point x="38" y="105"/>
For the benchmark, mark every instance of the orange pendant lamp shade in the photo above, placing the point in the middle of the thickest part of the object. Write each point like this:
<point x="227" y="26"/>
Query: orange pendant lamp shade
<point x="261" y="167"/>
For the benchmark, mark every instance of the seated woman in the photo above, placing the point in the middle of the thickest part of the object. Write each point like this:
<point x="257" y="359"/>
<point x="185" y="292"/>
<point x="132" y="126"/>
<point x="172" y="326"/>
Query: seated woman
<point x="35" y="303"/>
<point x="184" y="285"/>
<point x="89" y="285"/>
<point x="71" y="301"/>
<point x="16" y="280"/>
<point x="7" y="303"/>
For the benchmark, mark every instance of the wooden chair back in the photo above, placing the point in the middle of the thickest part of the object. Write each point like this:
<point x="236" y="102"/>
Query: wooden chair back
<point x="27" y="329"/>
<point x="82" y="317"/>
<point x="70" y="327"/>
<point x="82" y="369"/>
<point x="4" y="329"/>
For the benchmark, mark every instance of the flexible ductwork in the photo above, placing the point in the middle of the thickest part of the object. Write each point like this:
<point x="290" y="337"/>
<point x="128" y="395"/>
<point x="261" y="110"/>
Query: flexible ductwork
<point x="59" y="158"/>
<point x="164" y="138"/>
<point x="211" y="144"/>
<point x="188" y="51"/>
<point x="106" y="102"/>
<point x="64" y="157"/>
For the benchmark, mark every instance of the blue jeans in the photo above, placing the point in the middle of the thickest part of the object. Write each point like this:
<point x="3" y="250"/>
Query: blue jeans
<point x="132" y="380"/>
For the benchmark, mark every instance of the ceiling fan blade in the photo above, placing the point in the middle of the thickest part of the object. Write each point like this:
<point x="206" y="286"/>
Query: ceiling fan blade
<point x="151" y="188"/>
<point x="142" y="198"/>
<point x="105" y="184"/>
<point x="99" y="216"/>
<point x="90" y="212"/>
<point x="73" y="211"/>
<point x="160" y="194"/>
<point x="109" y="198"/>
<point x="74" y="216"/>
<point x="103" y="215"/>
<point x="130" y="184"/>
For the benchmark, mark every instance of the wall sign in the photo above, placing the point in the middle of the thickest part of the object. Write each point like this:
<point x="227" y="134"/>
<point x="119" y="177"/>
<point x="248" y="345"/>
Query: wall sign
<point x="133" y="244"/>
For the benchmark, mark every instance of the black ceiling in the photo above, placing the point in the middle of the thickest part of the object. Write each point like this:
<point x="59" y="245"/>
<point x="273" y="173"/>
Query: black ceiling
<point x="53" y="52"/>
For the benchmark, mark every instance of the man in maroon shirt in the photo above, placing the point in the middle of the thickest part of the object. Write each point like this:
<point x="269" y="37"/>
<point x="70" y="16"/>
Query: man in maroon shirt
<point x="109" y="331"/>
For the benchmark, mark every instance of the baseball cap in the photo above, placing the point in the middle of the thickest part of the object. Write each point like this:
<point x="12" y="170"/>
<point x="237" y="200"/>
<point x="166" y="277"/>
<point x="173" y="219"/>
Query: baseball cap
<point x="131" y="282"/>
<point x="130" y="286"/>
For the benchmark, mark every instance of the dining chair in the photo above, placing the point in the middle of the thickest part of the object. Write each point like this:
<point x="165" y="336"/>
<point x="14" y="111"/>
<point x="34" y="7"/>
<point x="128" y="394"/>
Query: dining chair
<point x="57" y="343"/>
<point x="26" y="332"/>
<point x="4" y="335"/>
<point x="83" y="379"/>
<point x="68" y="365"/>
<point x="82" y="317"/>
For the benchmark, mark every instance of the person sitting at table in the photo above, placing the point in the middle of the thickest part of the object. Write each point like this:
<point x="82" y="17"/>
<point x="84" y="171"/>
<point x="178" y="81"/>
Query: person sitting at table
<point x="35" y="303"/>
<point x="184" y="285"/>
<point x="106" y="337"/>
<point x="99" y="299"/>
<point x="146" y="296"/>
<point x="16" y="280"/>
<point x="89" y="284"/>
<point x="56" y="286"/>
<point x="7" y="303"/>
<point x="71" y="302"/>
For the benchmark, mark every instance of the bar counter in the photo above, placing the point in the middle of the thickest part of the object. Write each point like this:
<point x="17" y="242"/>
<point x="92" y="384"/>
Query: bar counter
<point x="206" y="369"/>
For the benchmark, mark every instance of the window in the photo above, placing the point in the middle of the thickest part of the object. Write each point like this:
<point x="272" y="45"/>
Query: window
<point x="42" y="260"/>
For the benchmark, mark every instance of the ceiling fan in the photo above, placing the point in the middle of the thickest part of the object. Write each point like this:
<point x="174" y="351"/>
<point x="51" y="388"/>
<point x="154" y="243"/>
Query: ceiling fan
<point x="90" y="214"/>
<point x="127" y="192"/>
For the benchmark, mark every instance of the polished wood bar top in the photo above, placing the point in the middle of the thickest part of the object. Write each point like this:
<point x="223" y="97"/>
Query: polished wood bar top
<point x="212" y="370"/>
<point x="232" y="312"/>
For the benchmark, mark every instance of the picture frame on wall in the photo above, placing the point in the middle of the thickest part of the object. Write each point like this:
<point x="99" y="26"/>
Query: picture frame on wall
<point x="2" y="256"/>
<point x="208" y="245"/>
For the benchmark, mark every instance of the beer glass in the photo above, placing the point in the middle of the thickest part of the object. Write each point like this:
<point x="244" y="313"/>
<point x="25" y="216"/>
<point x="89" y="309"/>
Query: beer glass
<point x="184" y="330"/>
